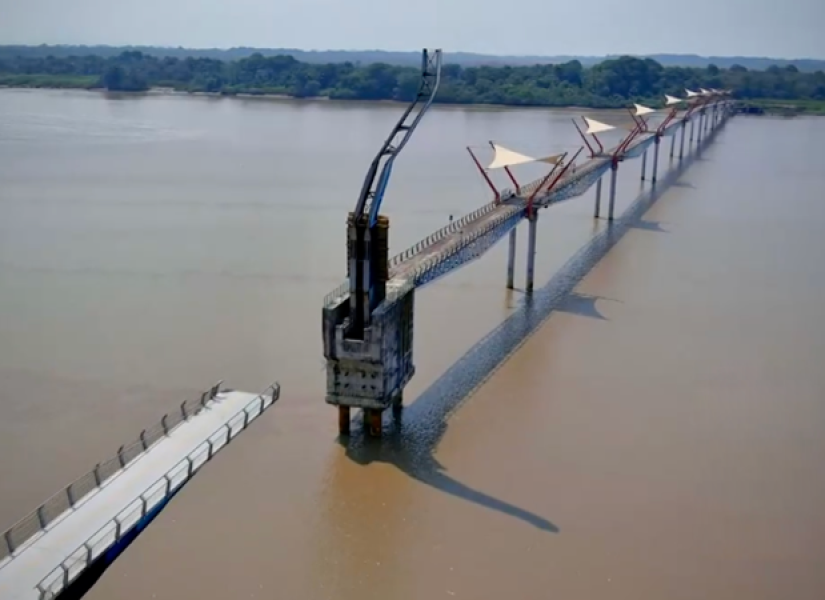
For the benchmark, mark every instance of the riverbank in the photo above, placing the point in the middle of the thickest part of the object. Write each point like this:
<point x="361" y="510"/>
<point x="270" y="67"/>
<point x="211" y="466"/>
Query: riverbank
<point x="768" y="106"/>
<point x="90" y="84"/>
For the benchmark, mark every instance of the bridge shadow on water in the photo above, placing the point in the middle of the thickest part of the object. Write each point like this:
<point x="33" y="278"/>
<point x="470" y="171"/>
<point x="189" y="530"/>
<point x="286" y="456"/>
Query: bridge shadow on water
<point x="410" y="440"/>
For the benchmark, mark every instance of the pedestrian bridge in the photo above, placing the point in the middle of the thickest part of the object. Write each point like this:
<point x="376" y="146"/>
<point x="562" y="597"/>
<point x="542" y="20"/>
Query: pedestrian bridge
<point x="367" y="322"/>
<point x="469" y="237"/>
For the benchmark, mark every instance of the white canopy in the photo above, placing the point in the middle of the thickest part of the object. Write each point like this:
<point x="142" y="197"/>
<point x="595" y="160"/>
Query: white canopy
<point x="505" y="157"/>
<point x="691" y="94"/>
<point x="705" y="92"/>
<point x="670" y="100"/>
<point x="594" y="126"/>
<point x="643" y="110"/>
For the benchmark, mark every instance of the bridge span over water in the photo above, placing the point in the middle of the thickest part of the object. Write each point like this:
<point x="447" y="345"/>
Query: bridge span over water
<point x="61" y="548"/>
<point x="367" y="321"/>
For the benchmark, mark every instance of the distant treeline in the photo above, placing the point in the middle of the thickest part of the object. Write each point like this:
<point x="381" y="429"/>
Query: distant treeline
<point x="365" y="57"/>
<point x="611" y="83"/>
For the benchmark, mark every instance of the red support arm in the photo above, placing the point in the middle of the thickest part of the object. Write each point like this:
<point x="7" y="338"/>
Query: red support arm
<point x="668" y="119"/>
<point x="484" y="174"/>
<point x="509" y="173"/>
<point x="692" y="108"/>
<point x="640" y="122"/>
<point x="593" y="153"/>
<point x="561" y="173"/>
<point x="541" y="185"/>
<point x="622" y="147"/>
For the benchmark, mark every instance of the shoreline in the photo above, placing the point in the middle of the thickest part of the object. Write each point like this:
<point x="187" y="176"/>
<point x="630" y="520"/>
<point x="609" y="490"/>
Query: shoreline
<point x="163" y="91"/>
<point x="768" y="107"/>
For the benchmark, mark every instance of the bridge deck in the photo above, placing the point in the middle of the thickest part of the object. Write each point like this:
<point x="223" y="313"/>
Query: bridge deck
<point x="408" y="267"/>
<point x="64" y="542"/>
<point x="470" y="236"/>
<point x="468" y="230"/>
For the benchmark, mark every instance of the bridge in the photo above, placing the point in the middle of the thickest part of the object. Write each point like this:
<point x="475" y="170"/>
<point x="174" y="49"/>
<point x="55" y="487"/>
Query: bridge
<point x="367" y="322"/>
<point x="61" y="548"/>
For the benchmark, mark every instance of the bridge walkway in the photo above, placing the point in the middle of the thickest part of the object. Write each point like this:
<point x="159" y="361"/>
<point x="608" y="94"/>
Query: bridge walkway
<point x="471" y="235"/>
<point x="412" y="267"/>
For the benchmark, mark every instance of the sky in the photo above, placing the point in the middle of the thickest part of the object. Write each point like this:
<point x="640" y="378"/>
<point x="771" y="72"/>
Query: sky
<point x="778" y="29"/>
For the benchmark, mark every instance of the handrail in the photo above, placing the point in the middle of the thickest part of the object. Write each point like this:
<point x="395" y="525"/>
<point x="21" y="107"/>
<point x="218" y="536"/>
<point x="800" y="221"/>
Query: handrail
<point x="48" y="512"/>
<point x="440" y="234"/>
<point x="115" y="529"/>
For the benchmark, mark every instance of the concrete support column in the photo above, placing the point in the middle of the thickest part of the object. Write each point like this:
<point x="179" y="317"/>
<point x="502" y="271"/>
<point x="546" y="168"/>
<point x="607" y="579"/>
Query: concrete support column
<point x="372" y="422"/>
<point x="598" y="198"/>
<point x="614" y="170"/>
<point x="398" y="404"/>
<point x="532" y="222"/>
<point x="690" y="141"/>
<point x="511" y="259"/>
<point x="644" y="164"/>
<point x="656" y="157"/>
<point x="699" y="129"/>
<point x="672" y="144"/>
<point x="682" y="141"/>
<point x="343" y="420"/>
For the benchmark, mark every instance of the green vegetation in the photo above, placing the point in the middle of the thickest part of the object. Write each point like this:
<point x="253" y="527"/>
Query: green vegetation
<point x="774" y="106"/>
<point x="404" y="59"/>
<point x="49" y="81"/>
<point x="610" y="84"/>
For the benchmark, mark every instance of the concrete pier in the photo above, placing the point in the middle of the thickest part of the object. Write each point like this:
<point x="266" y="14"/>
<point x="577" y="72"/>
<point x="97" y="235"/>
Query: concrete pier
<point x="614" y="170"/>
<point x="511" y="260"/>
<point x="532" y="221"/>
<point x="656" y="157"/>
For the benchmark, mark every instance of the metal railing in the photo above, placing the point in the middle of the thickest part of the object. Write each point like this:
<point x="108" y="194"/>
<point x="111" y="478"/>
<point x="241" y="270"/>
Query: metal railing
<point x="506" y="212"/>
<point x="413" y="250"/>
<point x="113" y="531"/>
<point x="48" y="512"/>
<point x="440" y="234"/>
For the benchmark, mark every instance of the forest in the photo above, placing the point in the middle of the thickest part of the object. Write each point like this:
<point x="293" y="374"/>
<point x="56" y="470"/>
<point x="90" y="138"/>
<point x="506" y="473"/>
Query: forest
<point x="611" y="83"/>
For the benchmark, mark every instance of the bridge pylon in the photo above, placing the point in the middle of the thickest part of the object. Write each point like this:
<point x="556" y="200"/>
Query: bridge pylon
<point x="368" y="336"/>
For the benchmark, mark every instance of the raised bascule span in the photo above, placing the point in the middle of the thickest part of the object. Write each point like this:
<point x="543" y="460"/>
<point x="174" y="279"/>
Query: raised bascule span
<point x="61" y="548"/>
<point x="367" y="322"/>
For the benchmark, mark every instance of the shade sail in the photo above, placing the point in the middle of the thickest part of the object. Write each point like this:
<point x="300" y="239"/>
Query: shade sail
<point x="691" y="94"/>
<point x="504" y="157"/>
<point x="643" y="110"/>
<point x="705" y="92"/>
<point x="594" y="126"/>
<point x="670" y="100"/>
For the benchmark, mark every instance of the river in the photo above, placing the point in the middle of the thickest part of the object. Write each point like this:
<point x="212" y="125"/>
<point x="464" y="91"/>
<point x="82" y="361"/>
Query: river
<point x="657" y="435"/>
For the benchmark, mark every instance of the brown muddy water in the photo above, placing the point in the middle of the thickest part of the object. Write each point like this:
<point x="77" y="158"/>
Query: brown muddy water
<point x="658" y="433"/>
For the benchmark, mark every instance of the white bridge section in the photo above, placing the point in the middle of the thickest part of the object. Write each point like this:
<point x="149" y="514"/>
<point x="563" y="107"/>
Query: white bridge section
<point x="45" y="564"/>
